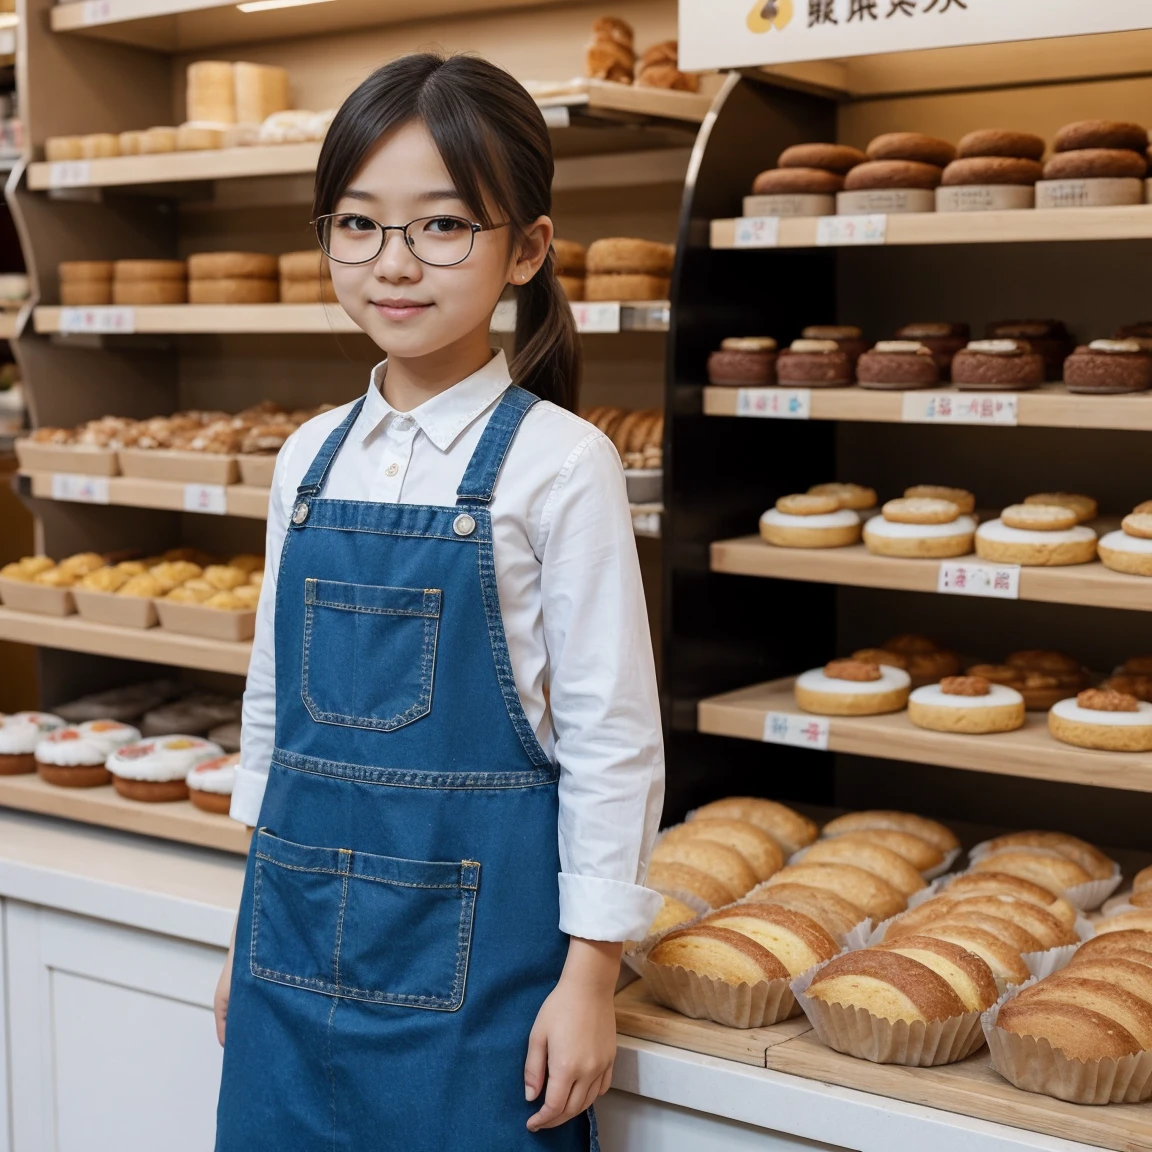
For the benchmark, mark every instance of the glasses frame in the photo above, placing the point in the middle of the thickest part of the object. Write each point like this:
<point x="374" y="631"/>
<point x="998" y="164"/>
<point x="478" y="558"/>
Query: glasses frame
<point x="403" y="228"/>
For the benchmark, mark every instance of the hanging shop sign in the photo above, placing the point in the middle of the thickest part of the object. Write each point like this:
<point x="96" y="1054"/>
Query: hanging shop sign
<point x="746" y="33"/>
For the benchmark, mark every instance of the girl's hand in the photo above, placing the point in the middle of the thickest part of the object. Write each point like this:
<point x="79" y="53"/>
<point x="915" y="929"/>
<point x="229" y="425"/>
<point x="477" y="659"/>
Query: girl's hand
<point x="223" y="991"/>
<point x="574" y="1036"/>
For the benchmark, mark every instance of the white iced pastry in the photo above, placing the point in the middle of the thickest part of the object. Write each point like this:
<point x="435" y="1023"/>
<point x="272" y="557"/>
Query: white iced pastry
<point x="1003" y="533"/>
<point x="1121" y="542"/>
<point x="893" y="530"/>
<point x="216" y="775"/>
<point x="1070" y="710"/>
<point x="22" y="731"/>
<point x="841" y="518"/>
<point x="997" y="696"/>
<point x="891" y="680"/>
<point x="90" y="743"/>
<point x="162" y="759"/>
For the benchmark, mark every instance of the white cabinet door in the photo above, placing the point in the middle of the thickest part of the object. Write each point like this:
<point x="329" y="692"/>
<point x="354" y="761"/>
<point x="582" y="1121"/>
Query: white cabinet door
<point x="111" y="1039"/>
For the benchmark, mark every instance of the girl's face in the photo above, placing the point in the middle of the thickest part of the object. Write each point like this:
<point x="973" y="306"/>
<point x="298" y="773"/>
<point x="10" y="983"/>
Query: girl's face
<point x="412" y="309"/>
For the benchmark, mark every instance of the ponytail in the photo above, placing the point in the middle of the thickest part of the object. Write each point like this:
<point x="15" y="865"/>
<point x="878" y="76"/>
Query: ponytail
<point x="548" y="352"/>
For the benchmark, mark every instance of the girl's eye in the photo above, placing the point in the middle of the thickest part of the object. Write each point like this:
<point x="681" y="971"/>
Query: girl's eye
<point x="352" y="223"/>
<point x="444" y="225"/>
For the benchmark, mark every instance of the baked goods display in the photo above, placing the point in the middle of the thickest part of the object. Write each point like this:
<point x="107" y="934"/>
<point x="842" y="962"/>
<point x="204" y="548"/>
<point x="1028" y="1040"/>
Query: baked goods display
<point x="148" y="282"/>
<point x="637" y="433"/>
<point x="997" y="365"/>
<point x="921" y="657"/>
<point x="1095" y="163"/>
<point x="1104" y="719"/>
<point x="994" y="169"/>
<point x="942" y="338"/>
<point x="210" y="783"/>
<point x="813" y="363"/>
<point x="1040" y="676"/>
<point x="85" y="282"/>
<point x="743" y="362"/>
<point x="611" y="55"/>
<point x="659" y="67"/>
<point x="1129" y="549"/>
<point x="233" y="278"/>
<point x="155" y="771"/>
<point x="852" y="688"/>
<point x="571" y="266"/>
<point x="968" y="704"/>
<point x="620" y="268"/>
<point x="75" y="756"/>
<point x="918" y="527"/>
<point x="19" y="735"/>
<point x="901" y="174"/>
<point x="805" y="181"/>
<point x="790" y="829"/>
<point x="1036" y="535"/>
<point x="1109" y="367"/>
<point x="810" y="521"/>
<point x="305" y="278"/>
<point x="897" y="365"/>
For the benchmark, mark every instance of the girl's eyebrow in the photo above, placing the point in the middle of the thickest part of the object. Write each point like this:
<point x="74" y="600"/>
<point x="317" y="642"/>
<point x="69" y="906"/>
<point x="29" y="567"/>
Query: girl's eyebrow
<point x="428" y="197"/>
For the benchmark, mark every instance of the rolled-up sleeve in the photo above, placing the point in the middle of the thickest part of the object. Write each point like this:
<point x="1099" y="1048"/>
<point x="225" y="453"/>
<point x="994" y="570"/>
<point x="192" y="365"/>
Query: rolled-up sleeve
<point x="603" y="698"/>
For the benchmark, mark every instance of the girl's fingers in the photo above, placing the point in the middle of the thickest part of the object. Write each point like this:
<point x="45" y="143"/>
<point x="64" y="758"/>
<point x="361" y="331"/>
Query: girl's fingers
<point x="535" y="1065"/>
<point x="605" y="1081"/>
<point x="556" y="1096"/>
<point x="565" y="1106"/>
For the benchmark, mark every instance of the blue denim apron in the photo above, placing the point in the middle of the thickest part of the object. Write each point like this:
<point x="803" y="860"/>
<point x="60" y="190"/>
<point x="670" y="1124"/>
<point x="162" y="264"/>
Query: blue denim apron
<point x="398" y="928"/>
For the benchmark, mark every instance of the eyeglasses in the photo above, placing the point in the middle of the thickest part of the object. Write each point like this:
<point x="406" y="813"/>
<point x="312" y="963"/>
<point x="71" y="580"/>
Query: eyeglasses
<point x="442" y="241"/>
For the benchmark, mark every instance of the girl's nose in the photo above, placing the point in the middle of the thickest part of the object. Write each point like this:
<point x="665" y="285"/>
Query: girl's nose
<point x="396" y="261"/>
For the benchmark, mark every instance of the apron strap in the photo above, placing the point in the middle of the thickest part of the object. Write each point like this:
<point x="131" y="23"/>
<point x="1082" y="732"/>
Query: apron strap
<point x="480" y="476"/>
<point x="317" y="472"/>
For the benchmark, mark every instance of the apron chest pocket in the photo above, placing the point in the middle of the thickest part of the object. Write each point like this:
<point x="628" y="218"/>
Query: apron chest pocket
<point x="361" y="926"/>
<point x="369" y="653"/>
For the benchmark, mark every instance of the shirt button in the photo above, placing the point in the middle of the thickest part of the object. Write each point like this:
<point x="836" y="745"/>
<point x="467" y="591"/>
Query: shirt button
<point x="392" y="469"/>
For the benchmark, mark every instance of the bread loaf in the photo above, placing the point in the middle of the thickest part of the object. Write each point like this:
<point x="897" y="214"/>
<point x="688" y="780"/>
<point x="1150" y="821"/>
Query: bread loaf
<point x="964" y="972"/>
<point x="873" y="858"/>
<point x="789" y="829"/>
<point x="1048" y="869"/>
<point x="922" y="855"/>
<point x="1004" y="884"/>
<point x="60" y="148"/>
<point x="930" y="830"/>
<point x="1131" y="975"/>
<point x="1005" y="961"/>
<point x="211" y="91"/>
<point x="1091" y="859"/>
<point x="232" y="290"/>
<point x="797" y="941"/>
<point x="718" y="860"/>
<point x="308" y="265"/>
<point x="673" y="878"/>
<point x="85" y="293"/>
<point x="1034" y="919"/>
<point x="1019" y="939"/>
<point x="626" y="286"/>
<point x="261" y="90"/>
<point x="862" y="888"/>
<point x="754" y="844"/>
<point x="124" y="270"/>
<point x="718" y="953"/>
<point x="833" y="913"/>
<point x="1132" y="1013"/>
<point x="145" y="293"/>
<point x="85" y="271"/>
<point x="157" y="140"/>
<point x="1130" y="943"/>
<point x="1079" y="1033"/>
<point x="233" y="265"/>
<point x="99" y="146"/>
<point x="1140" y="919"/>
<point x="314" y="291"/>
<point x="622" y="254"/>
<point x="129" y="143"/>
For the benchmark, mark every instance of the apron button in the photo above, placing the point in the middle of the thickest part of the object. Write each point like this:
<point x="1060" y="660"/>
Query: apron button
<point x="464" y="525"/>
<point x="300" y="512"/>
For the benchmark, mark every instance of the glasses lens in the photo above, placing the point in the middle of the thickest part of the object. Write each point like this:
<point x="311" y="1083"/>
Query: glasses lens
<point x="348" y="238"/>
<point x="440" y="239"/>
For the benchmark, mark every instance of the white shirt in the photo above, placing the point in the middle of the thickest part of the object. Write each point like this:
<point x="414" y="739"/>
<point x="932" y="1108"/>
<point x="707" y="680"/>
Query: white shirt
<point x="568" y="580"/>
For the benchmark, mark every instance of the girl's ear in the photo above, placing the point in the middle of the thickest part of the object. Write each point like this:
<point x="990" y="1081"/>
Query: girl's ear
<point x="532" y="252"/>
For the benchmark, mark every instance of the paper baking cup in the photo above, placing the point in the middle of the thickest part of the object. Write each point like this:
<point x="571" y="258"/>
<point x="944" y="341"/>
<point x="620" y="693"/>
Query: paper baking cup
<point x="856" y="1032"/>
<point x="1084" y="896"/>
<point x="1033" y="1065"/>
<point x="1119" y="904"/>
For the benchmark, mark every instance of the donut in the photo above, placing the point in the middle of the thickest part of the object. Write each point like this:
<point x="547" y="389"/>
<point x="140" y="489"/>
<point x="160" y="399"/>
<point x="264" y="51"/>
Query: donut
<point x="1000" y="142"/>
<point x="74" y="757"/>
<point x="1105" y="720"/>
<point x="799" y="181"/>
<point x="743" y="361"/>
<point x="1035" y="547"/>
<point x="897" y="365"/>
<point x="210" y="783"/>
<point x="1090" y="163"/>
<point x="1108" y="367"/>
<point x="852" y="688"/>
<point x="911" y="146"/>
<point x="831" y="157"/>
<point x="968" y="704"/>
<point x="991" y="170"/>
<point x="20" y="732"/>
<point x="620" y="254"/>
<point x="883" y="174"/>
<point x="997" y="365"/>
<point x="1100" y="134"/>
<point x="810" y="521"/>
<point x="155" y="770"/>
<point x="813" y="364"/>
<point x="1123" y="552"/>
<point x="920" y="528"/>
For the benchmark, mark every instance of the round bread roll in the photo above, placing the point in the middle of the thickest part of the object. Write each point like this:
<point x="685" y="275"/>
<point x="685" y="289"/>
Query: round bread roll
<point x="233" y="291"/>
<point x="919" y="853"/>
<point x="85" y="271"/>
<point x="1000" y="142"/>
<point x="1005" y="884"/>
<point x="1078" y="1033"/>
<point x="1049" y="869"/>
<point x="857" y="885"/>
<point x="570" y="256"/>
<point x="1032" y="918"/>
<point x="911" y="146"/>
<point x="831" y="157"/>
<point x="718" y="860"/>
<point x="788" y="828"/>
<point x="1091" y="859"/>
<point x="124" y="270"/>
<point x="930" y="830"/>
<point x="149" y="292"/>
<point x="673" y="878"/>
<point x="833" y="913"/>
<point x="617" y="254"/>
<point x="85" y="293"/>
<point x="1142" y="881"/>
<point x="1002" y="958"/>
<point x="719" y="954"/>
<point x="1140" y="919"/>
<point x="1130" y="975"/>
<point x="874" y="858"/>
<point x="1131" y="1012"/>
<point x="233" y="265"/>
<point x="753" y="843"/>
<point x="796" y="940"/>
<point x="1131" y="943"/>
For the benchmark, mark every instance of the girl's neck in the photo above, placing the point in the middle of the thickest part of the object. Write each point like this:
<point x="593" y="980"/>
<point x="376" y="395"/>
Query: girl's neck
<point x="409" y="383"/>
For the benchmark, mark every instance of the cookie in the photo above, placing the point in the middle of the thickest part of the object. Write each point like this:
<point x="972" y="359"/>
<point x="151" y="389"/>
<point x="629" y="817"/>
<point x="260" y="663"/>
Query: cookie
<point x="1090" y="163"/>
<point x="1109" y="367"/>
<point x="897" y="365"/>
<point x="839" y="158"/>
<point x="920" y="510"/>
<point x="961" y="497"/>
<point x="1100" y="134"/>
<point x="1085" y="507"/>
<point x="813" y="364"/>
<point x="1104" y="720"/>
<point x="883" y="174"/>
<point x="1000" y="142"/>
<point x="967" y="704"/>
<point x="1124" y="551"/>
<point x="911" y="146"/>
<point x="1033" y="547"/>
<point x="808" y="504"/>
<point x="854" y="496"/>
<point x="991" y="170"/>
<point x="1138" y="524"/>
<point x="997" y="365"/>
<point x="620" y="254"/>
<point x="798" y="181"/>
<point x="1039" y="517"/>
<point x="852" y="688"/>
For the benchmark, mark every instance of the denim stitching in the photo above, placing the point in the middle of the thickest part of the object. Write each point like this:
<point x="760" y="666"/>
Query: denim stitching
<point x="257" y="884"/>
<point x="375" y="611"/>
<point x="360" y="876"/>
<point x="317" y="472"/>
<point x="495" y="441"/>
<point x="340" y="925"/>
<point x="435" y="595"/>
<point x="413" y="778"/>
<point x="331" y="1069"/>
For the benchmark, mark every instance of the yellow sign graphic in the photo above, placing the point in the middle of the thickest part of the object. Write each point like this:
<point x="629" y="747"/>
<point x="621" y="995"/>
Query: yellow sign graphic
<point x="768" y="13"/>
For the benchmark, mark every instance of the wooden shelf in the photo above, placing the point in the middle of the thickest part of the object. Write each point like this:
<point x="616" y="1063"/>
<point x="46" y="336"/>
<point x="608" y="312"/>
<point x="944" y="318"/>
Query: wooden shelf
<point x="155" y="645"/>
<point x="9" y="325"/>
<point x="1029" y="751"/>
<point x="1049" y="407"/>
<point x="134" y="492"/>
<point x="178" y="820"/>
<point x="1030" y="225"/>
<point x="1088" y="584"/>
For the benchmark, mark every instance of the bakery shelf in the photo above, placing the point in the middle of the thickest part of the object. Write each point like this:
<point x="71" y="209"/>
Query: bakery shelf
<point x="1049" y="407"/>
<point x="1029" y="751"/>
<point x="179" y="820"/>
<point x="9" y="325"/>
<point x="1087" y="584"/>
<point x="1130" y="222"/>
<point x="135" y="492"/>
<point x="155" y="645"/>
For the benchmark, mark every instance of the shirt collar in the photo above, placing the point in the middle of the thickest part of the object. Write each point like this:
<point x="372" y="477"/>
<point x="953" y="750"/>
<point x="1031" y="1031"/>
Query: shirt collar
<point x="445" y="416"/>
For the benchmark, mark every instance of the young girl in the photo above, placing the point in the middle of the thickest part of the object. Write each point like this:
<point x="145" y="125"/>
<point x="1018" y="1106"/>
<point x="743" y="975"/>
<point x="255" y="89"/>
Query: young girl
<point x="452" y="749"/>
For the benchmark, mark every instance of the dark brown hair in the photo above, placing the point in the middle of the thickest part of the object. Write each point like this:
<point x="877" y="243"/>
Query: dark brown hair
<point x="495" y="144"/>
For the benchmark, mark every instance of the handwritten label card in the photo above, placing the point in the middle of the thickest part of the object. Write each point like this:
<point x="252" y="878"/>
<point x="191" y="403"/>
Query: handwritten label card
<point x="999" y="408"/>
<point x="797" y="730"/>
<point x="841" y="231"/>
<point x="775" y="403"/>
<point x="210" y="498"/>
<point x="998" y="581"/>
<point x="80" y="489"/>
<point x="757" y="232"/>
<point x="69" y="174"/>
<point x="98" y="321"/>
<point x="598" y="317"/>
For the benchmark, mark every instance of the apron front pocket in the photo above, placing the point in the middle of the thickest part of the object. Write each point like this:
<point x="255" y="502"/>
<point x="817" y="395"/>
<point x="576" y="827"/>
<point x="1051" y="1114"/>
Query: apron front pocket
<point x="354" y="924"/>
<point x="369" y="653"/>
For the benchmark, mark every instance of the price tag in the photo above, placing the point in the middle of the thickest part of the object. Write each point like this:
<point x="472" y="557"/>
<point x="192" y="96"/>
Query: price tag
<point x="840" y="231"/>
<point x="103" y="321"/>
<point x="775" y="403"/>
<point x="757" y="232"/>
<point x="557" y="116"/>
<point x="600" y="317"/>
<point x="797" y="730"/>
<point x="96" y="11"/>
<point x="646" y="523"/>
<point x="998" y="581"/>
<point x="960" y="408"/>
<point x="210" y="498"/>
<point x="69" y="174"/>
<point x="79" y="489"/>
